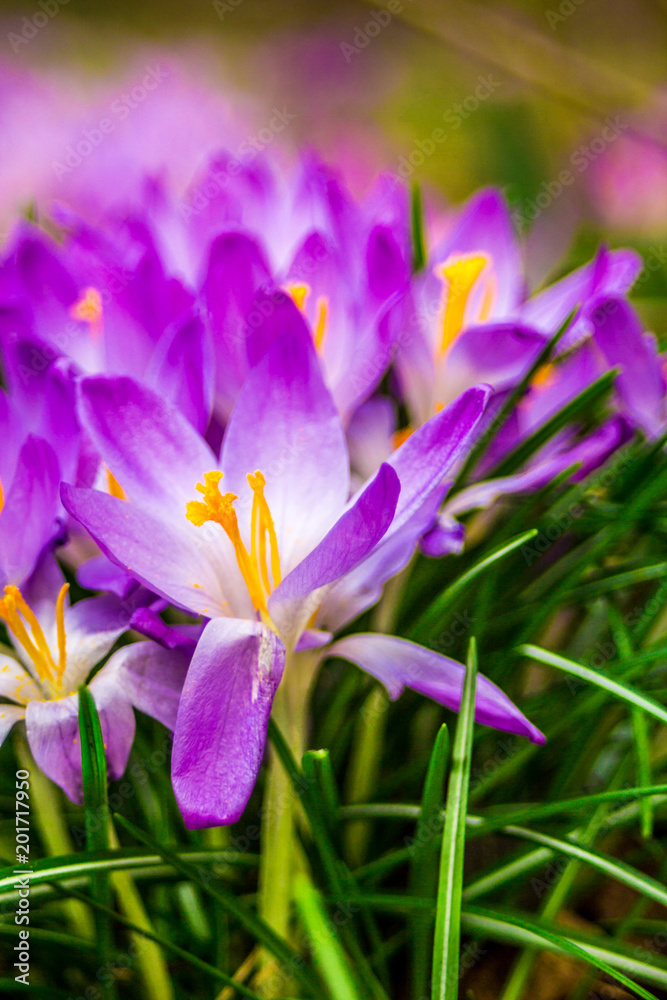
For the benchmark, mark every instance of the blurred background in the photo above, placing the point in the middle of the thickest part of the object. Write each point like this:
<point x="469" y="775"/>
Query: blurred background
<point x="561" y="102"/>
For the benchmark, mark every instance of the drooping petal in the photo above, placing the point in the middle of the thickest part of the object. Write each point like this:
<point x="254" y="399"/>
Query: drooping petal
<point x="151" y="678"/>
<point x="352" y="538"/>
<point x="154" y="453"/>
<point x="285" y="425"/>
<point x="222" y="720"/>
<point x="398" y="663"/>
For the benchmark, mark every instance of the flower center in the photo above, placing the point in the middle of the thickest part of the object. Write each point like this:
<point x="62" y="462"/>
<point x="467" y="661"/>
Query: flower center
<point x="88" y="309"/>
<point x="17" y="614"/>
<point x="254" y="565"/>
<point x="299" y="292"/>
<point x="460" y="274"/>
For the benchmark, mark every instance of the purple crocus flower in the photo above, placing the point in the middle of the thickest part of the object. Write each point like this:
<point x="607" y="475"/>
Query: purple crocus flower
<point x="471" y="318"/>
<point x="56" y="646"/>
<point x="275" y="559"/>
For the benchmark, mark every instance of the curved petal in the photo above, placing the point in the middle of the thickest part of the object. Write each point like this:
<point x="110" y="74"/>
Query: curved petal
<point x="9" y="716"/>
<point x="149" y="446"/>
<point x="222" y="720"/>
<point x="150" y="677"/>
<point x="398" y="663"/>
<point x="352" y="538"/>
<point x="286" y="425"/>
<point x="165" y="560"/>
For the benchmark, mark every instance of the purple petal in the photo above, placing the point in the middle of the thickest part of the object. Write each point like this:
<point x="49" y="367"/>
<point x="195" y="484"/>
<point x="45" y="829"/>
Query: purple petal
<point x="149" y="446"/>
<point x="285" y="425"/>
<point x="28" y="518"/>
<point x="485" y="225"/>
<point x="352" y="538"/>
<point x="53" y="735"/>
<point x="150" y="677"/>
<point x="397" y="663"/>
<point x="166" y="560"/>
<point x="641" y="385"/>
<point x="181" y="370"/>
<point x="222" y="720"/>
<point x="147" y="622"/>
<point x="423" y="461"/>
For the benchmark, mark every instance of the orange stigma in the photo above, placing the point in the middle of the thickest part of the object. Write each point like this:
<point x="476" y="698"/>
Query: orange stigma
<point x="88" y="309"/>
<point x="254" y="565"/>
<point x="16" y="614"/>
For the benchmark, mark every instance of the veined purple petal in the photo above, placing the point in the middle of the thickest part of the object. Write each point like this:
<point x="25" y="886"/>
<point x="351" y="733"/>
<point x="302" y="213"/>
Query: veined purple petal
<point x="285" y="425"/>
<point x="222" y="720"/>
<point x="150" y="677"/>
<point x="352" y="538"/>
<point x="398" y="663"/>
<point x="149" y="446"/>
<point x="423" y="461"/>
<point x="169" y="561"/>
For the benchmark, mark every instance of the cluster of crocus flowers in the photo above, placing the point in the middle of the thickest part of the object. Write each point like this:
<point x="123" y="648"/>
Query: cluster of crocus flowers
<point x="199" y="416"/>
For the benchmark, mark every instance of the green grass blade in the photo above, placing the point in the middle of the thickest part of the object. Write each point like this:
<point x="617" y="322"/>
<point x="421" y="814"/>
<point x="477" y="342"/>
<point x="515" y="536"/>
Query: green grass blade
<point x="424" y="850"/>
<point x="97" y="823"/>
<point x="618" y="870"/>
<point x="515" y="929"/>
<point x="623" y="691"/>
<point x="441" y="603"/>
<point x="417" y="227"/>
<point x="252" y="924"/>
<point x="448" y="913"/>
<point x="330" y="959"/>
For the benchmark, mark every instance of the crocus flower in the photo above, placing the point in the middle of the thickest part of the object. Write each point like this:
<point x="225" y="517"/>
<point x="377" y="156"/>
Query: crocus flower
<point x="471" y="318"/>
<point x="267" y="545"/>
<point x="56" y="646"/>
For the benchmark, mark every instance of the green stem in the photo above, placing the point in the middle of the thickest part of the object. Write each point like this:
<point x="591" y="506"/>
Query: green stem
<point x="45" y="806"/>
<point x="281" y="855"/>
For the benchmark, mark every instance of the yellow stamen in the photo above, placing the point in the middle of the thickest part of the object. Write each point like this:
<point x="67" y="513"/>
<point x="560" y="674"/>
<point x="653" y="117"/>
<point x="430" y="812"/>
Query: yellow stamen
<point x="322" y="321"/>
<point x="459" y="275"/>
<point x="2" y="497"/>
<point x="299" y="293"/>
<point x="544" y="376"/>
<point x="219" y="508"/>
<point x="400" y="437"/>
<point x="115" y="489"/>
<point x="265" y="526"/>
<point x="88" y="309"/>
<point x="36" y="646"/>
<point x="60" y="627"/>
